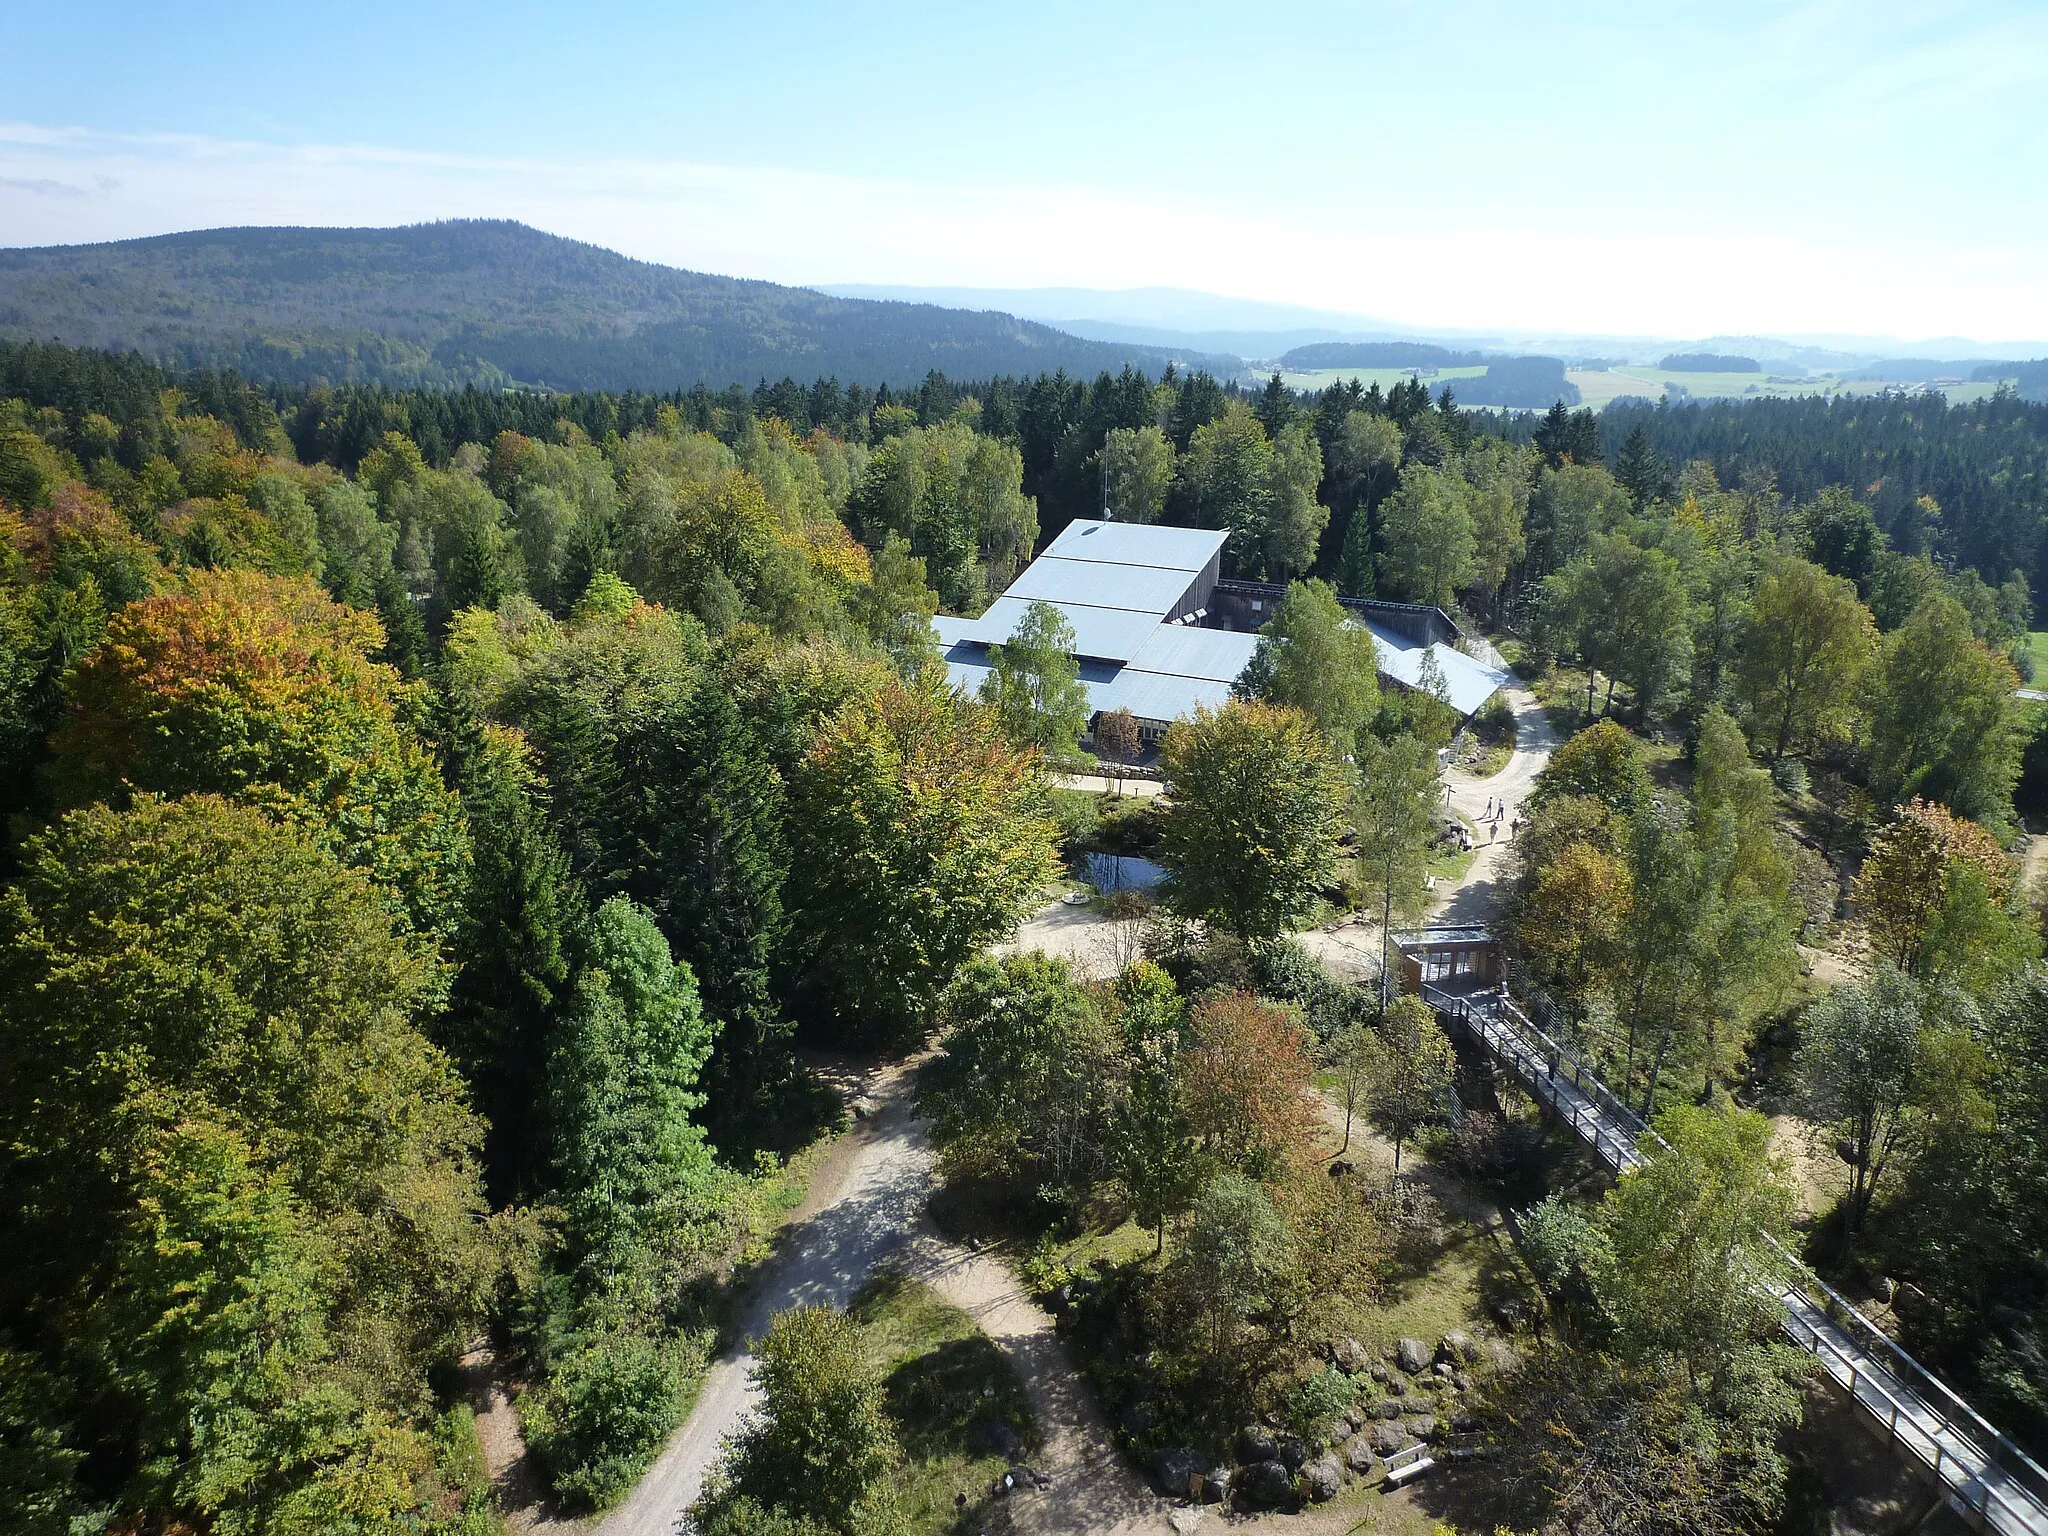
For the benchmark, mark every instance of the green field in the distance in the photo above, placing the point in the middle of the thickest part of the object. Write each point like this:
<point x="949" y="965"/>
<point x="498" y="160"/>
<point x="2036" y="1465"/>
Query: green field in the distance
<point x="1598" y="388"/>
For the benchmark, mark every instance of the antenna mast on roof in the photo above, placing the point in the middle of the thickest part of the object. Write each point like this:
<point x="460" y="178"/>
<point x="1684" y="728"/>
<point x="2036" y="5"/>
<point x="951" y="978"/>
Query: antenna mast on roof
<point x="1107" y="515"/>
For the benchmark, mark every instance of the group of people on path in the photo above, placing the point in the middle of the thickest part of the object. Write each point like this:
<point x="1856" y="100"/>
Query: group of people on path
<point x="1496" y="813"/>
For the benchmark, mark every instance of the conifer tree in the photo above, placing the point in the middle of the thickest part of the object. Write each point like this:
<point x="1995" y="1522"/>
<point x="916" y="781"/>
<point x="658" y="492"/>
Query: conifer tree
<point x="722" y="860"/>
<point x="513" y="946"/>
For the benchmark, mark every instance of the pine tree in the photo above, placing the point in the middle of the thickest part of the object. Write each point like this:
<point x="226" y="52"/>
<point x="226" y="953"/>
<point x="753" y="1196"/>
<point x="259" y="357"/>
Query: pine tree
<point x="512" y="947"/>
<point x="720" y="864"/>
<point x="1645" y="476"/>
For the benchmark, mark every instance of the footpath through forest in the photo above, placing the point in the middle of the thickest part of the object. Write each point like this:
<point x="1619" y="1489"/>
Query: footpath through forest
<point x="868" y="1209"/>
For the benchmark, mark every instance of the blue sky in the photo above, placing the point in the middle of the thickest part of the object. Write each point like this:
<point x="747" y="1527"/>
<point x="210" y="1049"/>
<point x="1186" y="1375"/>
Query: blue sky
<point x="1676" y="168"/>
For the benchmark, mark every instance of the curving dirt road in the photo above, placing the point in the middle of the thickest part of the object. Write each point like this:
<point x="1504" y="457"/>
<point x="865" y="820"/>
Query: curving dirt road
<point x="1477" y="896"/>
<point x="866" y="1208"/>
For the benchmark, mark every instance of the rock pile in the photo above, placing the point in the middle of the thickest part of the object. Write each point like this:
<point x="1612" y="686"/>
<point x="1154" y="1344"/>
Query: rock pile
<point x="1406" y="1394"/>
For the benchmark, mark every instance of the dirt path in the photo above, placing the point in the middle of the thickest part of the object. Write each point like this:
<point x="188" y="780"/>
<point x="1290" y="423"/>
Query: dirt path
<point x="1492" y="804"/>
<point x="1092" y="1487"/>
<point x="867" y="1208"/>
<point x="516" y="1482"/>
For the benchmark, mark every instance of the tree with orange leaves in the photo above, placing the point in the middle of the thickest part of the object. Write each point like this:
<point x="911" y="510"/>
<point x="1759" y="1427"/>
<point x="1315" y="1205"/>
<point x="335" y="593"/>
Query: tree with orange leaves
<point x="261" y="688"/>
<point x="1245" y="1078"/>
<point x="1938" y="896"/>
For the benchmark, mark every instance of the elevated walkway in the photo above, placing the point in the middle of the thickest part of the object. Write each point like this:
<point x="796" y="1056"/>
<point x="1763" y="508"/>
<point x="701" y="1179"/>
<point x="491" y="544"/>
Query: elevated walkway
<point x="1989" y="1481"/>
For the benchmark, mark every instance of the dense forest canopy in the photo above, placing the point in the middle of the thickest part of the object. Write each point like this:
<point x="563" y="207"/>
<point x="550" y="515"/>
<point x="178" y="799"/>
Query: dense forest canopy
<point x="1968" y="483"/>
<point x="433" y="818"/>
<point x="492" y="303"/>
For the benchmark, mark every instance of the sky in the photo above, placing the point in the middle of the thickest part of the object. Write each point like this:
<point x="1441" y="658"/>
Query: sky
<point x="1672" y="169"/>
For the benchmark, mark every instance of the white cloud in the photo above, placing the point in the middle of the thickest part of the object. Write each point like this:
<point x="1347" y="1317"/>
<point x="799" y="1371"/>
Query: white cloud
<point x="1466" y="268"/>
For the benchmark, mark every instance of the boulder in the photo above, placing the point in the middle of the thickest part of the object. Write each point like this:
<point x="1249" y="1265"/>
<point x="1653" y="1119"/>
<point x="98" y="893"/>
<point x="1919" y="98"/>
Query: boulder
<point x="1351" y="1357"/>
<point x="1387" y="1408"/>
<point x="1175" y="1470"/>
<point x="1255" y="1444"/>
<point x="1464" y="1423"/>
<point x="1420" y="1427"/>
<point x="1501" y="1357"/>
<point x="1325" y="1477"/>
<point x="1358" y="1454"/>
<point x="1378" y="1373"/>
<point x="1389" y="1438"/>
<point x="1456" y="1347"/>
<point x="1292" y="1453"/>
<point x="1216" y="1485"/>
<point x="1412" y="1355"/>
<point x="1267" y="1484"/>
<point x="998" y="1439"/>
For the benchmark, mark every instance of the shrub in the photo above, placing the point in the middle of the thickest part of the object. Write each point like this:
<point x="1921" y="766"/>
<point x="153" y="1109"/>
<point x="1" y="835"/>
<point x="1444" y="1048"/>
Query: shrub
<point x="608" y="1404"/>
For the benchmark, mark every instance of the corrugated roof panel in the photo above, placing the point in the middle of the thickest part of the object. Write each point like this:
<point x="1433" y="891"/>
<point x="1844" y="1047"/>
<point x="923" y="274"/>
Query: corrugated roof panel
<point x="1217" y="654"/>
<point x="1470" y="683"/>
<point x="1180" y="549"/>
<point x="1147" y="589"/>
<point x="949" y="629"/>
<point x="1163" y="696"/>
<point x="1113" y="634"/>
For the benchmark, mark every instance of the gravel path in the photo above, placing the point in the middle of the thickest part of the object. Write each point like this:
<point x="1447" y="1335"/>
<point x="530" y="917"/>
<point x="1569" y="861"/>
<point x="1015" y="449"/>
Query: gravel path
<point x="1478" y="896"/>
<point x="867" y="1208"/>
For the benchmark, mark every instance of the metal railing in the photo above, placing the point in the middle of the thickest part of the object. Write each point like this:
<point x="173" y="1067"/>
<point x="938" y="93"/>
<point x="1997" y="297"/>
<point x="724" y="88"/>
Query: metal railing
<point x="1989" y="1479"/>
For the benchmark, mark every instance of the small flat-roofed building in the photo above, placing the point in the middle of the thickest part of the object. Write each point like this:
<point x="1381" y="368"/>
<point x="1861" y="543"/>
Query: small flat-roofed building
<point x="1458" y="959"/>
<point x="1140" y="599"/>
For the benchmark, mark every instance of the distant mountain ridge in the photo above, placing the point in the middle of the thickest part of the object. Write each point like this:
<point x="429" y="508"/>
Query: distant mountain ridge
<point x="496" y="303"/>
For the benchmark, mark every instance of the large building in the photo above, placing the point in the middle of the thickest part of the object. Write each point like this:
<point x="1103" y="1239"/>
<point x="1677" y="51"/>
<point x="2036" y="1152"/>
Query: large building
<point x="1158" y="633"/>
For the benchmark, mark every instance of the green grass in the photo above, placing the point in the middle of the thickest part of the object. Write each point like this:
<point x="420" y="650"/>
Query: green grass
<point x="944" y="1377"/>
<point x="1596" y="389"/>
<point x="2037" y="647"/>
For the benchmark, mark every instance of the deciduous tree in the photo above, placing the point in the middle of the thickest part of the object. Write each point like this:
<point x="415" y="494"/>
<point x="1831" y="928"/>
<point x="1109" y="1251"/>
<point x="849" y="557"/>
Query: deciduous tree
<point x="1396" y="818"/>
<point x="1313" y="657"/>
<point x="1429" y="550"/>
<point x="1942" y="719"/>
<point x="1804" y="652"/>
<point x="1937" y="893"/>
<point x="1034" y="684"/>
<point x="1250" y="833"/>
<point x="923" y="836"/>
<point x="1411" y="1073"/>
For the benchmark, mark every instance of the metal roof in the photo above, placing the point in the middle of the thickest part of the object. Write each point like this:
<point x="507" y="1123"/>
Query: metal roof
<point x="1179" y="549"/>
<point x="1151" y="589"/>
<point x="1470" y="683"/>
<point x="946" y="629"/>
<point x="1113" y="634"/>
<point x="1184" y="651"/>
<point x="1162" y="696"/>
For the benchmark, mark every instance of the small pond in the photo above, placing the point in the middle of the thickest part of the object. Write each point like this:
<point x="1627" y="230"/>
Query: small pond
<point x="1121" y="872"/>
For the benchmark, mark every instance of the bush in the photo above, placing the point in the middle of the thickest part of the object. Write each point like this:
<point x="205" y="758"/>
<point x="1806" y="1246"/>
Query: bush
<point x="608" y="1404"/>
<point x="1789" y="774"/>
<point x="1073" y="816"/>
<point x="1312" y="1404"/>
<point x="1494" y="725"/>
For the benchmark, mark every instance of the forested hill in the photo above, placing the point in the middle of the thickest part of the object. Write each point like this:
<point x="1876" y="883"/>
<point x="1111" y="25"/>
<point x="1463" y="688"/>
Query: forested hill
<point x="495" y="303"/>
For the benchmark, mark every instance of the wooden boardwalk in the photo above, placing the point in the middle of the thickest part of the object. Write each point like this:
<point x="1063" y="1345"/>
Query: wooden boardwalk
<point x="1989" y="1481"/>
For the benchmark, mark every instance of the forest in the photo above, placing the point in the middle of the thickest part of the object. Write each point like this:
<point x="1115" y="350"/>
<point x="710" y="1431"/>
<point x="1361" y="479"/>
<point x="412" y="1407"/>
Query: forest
<point x="490" y="303"/>
<point x="446" y="828"/>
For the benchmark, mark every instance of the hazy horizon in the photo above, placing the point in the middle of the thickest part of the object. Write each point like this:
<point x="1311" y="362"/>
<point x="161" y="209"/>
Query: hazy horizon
<point x="1794" y="170"/>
